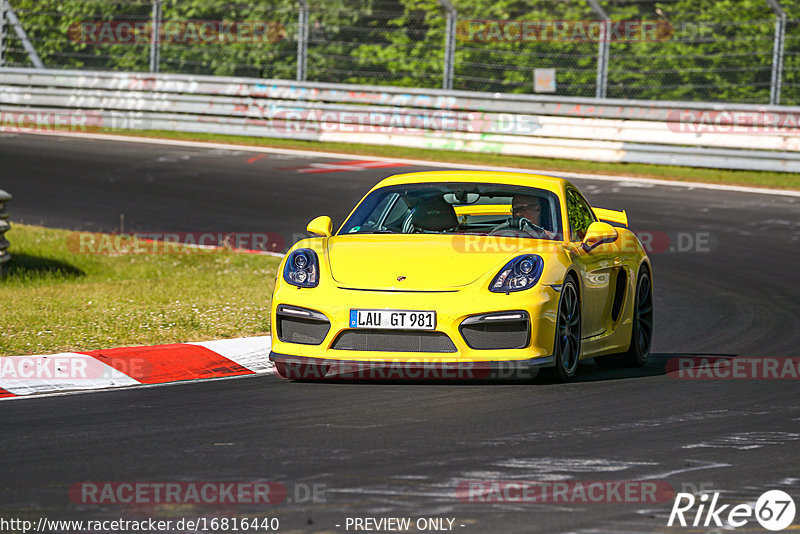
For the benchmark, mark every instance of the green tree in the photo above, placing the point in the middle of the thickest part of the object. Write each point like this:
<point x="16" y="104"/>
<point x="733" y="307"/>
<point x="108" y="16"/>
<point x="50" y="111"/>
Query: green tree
<point x="713" y="51"/>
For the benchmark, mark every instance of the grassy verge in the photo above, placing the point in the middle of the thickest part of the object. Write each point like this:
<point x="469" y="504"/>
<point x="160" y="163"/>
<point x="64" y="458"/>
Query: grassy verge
<point x="665" y="172"/>
<point x="53" y="299"/>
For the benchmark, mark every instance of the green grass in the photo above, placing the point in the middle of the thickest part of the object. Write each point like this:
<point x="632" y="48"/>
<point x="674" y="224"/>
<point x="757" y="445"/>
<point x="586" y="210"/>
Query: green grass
<point x="779" y="180"/>
<point x="53" y="299"/>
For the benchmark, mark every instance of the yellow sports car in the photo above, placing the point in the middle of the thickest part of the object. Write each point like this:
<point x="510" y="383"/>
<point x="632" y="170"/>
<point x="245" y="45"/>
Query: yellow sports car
<point x="463" y="274"/>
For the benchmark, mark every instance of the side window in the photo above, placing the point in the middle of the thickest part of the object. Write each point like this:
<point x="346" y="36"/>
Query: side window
<point x="375" y="217"/>
<point x="580" y="215"/>
<point x="397" y="214"/>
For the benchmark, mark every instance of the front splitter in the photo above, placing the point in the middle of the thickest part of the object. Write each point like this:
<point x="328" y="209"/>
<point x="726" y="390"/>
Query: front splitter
<point x="307" y="368"/>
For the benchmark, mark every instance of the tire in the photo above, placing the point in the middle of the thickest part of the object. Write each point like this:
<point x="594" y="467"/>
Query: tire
<point x="642" y="332"/>
<point x="567" y="346"/>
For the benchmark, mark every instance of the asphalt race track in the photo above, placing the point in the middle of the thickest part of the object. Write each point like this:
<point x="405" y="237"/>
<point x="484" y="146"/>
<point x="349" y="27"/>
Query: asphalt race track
<point x="401" y="450"/>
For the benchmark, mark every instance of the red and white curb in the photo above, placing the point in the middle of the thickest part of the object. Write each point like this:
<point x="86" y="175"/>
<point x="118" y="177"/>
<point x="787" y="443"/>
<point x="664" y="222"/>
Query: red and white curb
<point x="22" y="376"/>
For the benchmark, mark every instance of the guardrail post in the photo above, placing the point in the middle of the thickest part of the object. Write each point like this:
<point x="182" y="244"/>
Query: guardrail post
<point x="4" y="227"/>
<point x="451" y="19"/>
<point x="302" y="40"/>
<point x="155" y="36"/>
<point x="777" y="52"/>
<point x="603" y="49"/>
<point x="3" y="9"/>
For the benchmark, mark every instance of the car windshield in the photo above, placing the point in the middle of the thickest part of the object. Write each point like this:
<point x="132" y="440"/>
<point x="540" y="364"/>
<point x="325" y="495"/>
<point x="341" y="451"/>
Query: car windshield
<point x="458" y="208"/>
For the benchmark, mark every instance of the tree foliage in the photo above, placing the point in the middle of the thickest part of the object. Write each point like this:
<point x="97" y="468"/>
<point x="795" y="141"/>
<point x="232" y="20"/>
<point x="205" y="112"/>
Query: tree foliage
<point x="711" y="51"/>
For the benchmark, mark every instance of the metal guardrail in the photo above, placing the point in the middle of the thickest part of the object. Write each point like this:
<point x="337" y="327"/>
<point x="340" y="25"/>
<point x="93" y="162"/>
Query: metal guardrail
<point x="670" y="133"/>
<point x="4" y="227"/>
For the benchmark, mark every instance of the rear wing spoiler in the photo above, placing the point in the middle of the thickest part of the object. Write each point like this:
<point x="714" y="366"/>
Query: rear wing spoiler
<point x="613" y="216"/>
<point x="483" y="209"/>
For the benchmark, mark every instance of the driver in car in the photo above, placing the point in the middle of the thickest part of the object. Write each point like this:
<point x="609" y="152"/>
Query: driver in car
<point x="526" y="218"/>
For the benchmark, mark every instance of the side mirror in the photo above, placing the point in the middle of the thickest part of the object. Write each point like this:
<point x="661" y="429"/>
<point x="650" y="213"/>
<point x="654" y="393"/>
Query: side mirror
<point x="597" y="234"/>
<point x="321" y="226"/>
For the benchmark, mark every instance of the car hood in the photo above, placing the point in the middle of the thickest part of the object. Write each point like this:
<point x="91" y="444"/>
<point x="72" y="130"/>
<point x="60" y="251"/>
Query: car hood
<point x="424" y="262"/>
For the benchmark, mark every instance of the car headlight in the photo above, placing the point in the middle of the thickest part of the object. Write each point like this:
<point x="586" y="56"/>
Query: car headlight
<point x="302" y="268"/>
<point x="520" y="273"/>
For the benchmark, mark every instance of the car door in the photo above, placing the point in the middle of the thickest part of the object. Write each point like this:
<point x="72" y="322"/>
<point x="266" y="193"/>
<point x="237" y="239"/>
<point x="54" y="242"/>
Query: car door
<point x="595" y="266"/>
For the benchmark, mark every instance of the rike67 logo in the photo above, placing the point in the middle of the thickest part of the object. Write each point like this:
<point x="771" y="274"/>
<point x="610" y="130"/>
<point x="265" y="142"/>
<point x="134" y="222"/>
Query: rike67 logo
<point x="774" y="510"/>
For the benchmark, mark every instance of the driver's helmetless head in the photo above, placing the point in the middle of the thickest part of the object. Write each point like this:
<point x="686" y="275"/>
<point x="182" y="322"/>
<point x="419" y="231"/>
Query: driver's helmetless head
<point x="527" y="206"/>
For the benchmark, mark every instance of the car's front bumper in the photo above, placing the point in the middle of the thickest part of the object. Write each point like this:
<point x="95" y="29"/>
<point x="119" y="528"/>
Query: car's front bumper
<point x="452" y="309"/>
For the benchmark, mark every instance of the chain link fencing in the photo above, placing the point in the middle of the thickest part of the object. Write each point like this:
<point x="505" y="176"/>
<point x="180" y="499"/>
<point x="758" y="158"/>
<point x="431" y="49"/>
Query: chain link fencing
<point x="377" y="43"/>
<point x="500" y="51"/>
<point x="790" y="94"/>
<point x="708" y="52"/>
<point x="680" y="50"/>
<point x="54" y="30"/>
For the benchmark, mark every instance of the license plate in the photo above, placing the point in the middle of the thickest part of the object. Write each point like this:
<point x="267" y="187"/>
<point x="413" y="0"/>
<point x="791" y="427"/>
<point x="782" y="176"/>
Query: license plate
<point x="393" y="319"/>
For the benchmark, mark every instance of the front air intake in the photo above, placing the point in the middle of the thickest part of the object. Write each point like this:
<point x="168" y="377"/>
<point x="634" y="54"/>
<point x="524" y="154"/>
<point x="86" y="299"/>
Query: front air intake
<point x="393" y="341"/>
<point x="299" y="325"/>
<point x="494" y="331"/>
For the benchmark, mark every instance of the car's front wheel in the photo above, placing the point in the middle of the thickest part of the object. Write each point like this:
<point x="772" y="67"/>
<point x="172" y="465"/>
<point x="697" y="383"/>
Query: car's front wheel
<point x="567" y="347"/>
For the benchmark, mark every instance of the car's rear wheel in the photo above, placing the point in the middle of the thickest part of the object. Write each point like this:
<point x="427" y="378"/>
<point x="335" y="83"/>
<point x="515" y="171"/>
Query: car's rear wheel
<point x="567" y="347"/>
<point x="642" y="332"/>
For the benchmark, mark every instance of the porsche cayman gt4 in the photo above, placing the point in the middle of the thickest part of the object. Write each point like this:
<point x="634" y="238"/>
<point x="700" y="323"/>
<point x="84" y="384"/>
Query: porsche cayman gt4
<point x="461" y="274"/>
